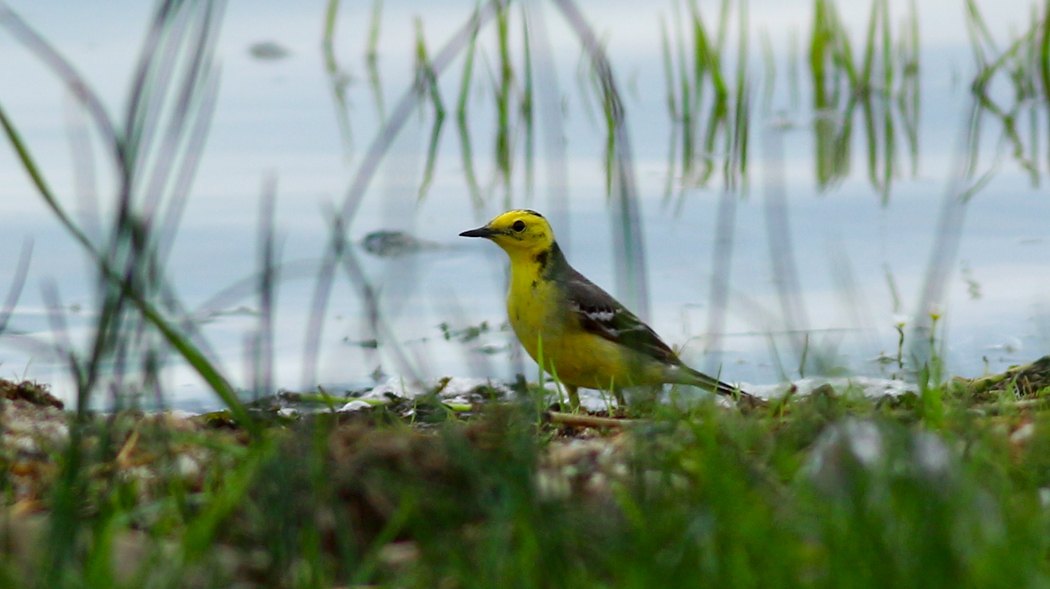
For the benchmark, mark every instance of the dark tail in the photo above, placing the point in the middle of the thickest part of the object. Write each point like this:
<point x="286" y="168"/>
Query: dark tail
<point x="716" y="386"/>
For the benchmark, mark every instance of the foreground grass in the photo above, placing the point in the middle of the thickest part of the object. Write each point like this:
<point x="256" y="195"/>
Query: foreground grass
<point x="943" y="489"/>
<point x="831" y="489"/>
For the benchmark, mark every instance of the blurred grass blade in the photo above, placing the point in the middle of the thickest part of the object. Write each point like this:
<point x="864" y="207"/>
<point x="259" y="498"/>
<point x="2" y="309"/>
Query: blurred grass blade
<point x="961" y="188"/>
<point x="672" y="107"/>
<point x="781" y="248"/>
<point x="735" y="169"/>
<point x="403" y="111"/>
<point x="85" y="184"/>
<point x="37" y="178"/>
<point x="372" y="58"/>
<point x="551" y="119"/>
<point x="261" y="366"/>
<point x="18" y="281"/>
<point x="463" y="125"/>
<point x="427" y="85"/>
<point x="526" y="106"/>
<point x="338" y="78"/>
<point x="769" y="62"/>
<point x="130" y="275"/>
<point x="503" y="152"/>
<point x="65" y="71"/>
<point x="632" y="282"/>
<point x="1044" y="53"/>
<point x="409" y="369"/>
<point x="366" y="170"/>
<point x="200" y="534"/>
<point x="340" y="253"/>
<point x="709" y="110"/>
<point x="721" y="269"/>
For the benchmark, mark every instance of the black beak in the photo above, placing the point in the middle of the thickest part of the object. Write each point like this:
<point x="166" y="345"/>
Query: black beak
<point x="479" y="232"/>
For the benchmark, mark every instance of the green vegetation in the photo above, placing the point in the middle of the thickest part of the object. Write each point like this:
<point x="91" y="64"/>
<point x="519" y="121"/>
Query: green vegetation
<point x="946" y="487"/>
<point x="829" y="489"/>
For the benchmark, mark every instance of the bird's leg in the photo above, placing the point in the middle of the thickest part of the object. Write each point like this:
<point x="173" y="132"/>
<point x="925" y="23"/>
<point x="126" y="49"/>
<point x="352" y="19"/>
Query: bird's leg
<point x="574" y="397"/>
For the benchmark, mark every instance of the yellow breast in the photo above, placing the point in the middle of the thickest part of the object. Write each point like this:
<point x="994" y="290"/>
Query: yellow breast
<point x="550" y="332"/>
<point x="533" y="310"/>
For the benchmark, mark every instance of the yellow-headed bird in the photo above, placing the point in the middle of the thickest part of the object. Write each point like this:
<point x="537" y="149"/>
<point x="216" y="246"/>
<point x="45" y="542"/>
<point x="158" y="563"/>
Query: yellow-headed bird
<point x="577" y="331"/>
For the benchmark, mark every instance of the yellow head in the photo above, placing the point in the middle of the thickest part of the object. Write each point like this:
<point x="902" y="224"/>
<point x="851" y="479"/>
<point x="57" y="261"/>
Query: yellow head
<point x="519" y="233"/>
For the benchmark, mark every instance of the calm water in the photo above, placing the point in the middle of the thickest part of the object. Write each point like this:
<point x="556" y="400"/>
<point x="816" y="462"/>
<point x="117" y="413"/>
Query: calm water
<point x="276" y="117"/>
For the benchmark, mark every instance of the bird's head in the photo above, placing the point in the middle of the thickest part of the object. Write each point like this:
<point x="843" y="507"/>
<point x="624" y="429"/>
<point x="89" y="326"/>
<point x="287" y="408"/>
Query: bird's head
<point x="520" y="232"/>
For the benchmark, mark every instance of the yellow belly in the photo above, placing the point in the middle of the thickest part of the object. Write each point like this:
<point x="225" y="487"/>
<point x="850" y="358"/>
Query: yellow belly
<point x="575" y="357"/>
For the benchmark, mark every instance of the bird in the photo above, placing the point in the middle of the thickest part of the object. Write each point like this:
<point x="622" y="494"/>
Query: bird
<point x="572" y="328"/>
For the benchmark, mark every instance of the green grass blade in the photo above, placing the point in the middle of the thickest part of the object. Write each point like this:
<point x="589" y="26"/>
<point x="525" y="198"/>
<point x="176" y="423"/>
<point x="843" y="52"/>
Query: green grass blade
<point x="372" y="58"/>
<point x="338" y="78"/>
<point x="526" y="108"/>
<point x="428" y="86"/>
<point x="463" y="126"/>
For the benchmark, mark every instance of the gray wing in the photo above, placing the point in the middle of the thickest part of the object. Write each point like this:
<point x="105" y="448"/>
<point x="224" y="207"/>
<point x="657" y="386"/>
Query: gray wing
<point x="599" y="313"/>
<point x="602" y="315"/>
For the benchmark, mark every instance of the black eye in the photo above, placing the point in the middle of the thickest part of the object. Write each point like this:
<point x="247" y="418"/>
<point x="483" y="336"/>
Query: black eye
<point x="518" y="226"/>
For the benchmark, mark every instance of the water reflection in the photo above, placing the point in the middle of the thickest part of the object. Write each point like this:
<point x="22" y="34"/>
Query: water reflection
<point x="763" y="275"/>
